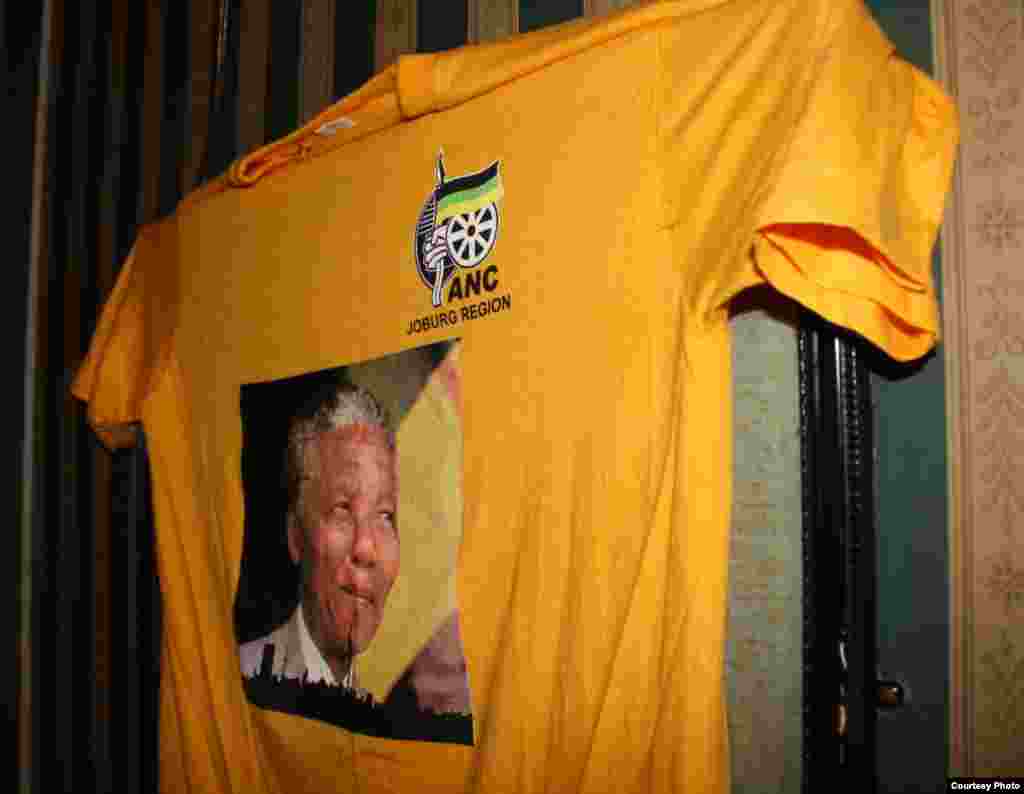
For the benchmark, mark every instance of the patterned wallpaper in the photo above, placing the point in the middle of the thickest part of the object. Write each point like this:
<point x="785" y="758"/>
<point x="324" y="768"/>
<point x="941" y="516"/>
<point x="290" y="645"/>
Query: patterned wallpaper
<point x="982" y="62"/>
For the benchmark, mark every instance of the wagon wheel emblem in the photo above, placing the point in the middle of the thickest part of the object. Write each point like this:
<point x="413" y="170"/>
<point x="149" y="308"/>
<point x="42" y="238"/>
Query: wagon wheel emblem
<point x="471" y="235"/>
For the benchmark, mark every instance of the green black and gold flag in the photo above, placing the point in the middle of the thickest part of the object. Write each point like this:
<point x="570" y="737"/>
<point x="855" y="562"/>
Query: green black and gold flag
<point x="469" y="193"/>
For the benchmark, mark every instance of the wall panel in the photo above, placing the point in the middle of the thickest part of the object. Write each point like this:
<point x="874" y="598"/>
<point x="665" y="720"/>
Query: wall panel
<point x="981" y="48"/>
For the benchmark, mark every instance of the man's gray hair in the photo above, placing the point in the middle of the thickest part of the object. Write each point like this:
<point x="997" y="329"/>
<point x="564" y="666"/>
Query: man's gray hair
<point x="331" y="408"/>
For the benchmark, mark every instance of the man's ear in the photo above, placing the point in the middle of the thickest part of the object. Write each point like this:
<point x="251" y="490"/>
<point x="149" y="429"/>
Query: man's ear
<point x="296" y="538"/>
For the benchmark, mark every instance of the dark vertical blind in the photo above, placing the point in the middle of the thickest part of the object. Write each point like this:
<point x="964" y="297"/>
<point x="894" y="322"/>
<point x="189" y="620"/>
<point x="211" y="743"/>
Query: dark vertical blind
<point x="534" y="14"/>
<point x="441" y="25"/>
<point x="62" y="618"/>
<point x="353" y="63"/>
<point x="223" y="132"/>
<point x="283" y="66"/>
<point x="176" y="111"/>
<point x="123" y="93"/>
<point x="22" y="39"/>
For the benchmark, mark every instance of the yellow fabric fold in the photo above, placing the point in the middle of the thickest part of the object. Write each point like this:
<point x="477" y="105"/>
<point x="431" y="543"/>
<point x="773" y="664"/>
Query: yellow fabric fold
<point x="851" y="222"/>
<point x="130" y="344"/>
<point x="854" y="290"/>
<point x="357" y="115"/>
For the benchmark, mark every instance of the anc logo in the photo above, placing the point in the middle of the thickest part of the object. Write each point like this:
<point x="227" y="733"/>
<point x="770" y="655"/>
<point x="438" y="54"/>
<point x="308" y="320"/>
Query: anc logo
<point x="458" y="225"/>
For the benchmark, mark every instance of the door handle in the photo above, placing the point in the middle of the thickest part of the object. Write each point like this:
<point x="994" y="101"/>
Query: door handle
<point x="890" y="694"/>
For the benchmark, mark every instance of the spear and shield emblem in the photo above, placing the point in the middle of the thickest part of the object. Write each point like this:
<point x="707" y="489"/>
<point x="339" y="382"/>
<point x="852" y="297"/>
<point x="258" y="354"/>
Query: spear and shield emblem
<point x="458" y="225"/>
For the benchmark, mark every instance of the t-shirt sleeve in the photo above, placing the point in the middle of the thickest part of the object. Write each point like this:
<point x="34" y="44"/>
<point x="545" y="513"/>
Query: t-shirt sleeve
<point x="130" y="339"/>
<point x="802" y="152"/>
<point x="849" y="225"/>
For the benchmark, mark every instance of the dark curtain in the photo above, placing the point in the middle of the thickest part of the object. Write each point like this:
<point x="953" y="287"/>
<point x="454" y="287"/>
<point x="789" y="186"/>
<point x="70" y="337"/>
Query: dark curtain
<point x="118" y="109"/>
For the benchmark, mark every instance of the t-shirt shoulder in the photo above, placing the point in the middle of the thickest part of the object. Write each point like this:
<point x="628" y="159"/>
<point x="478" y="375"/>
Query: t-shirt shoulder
<point x="830" y="162"/>
<point x="851" y="236"/>
<point x="128" y="350"/>
<point x="418" y="84"/>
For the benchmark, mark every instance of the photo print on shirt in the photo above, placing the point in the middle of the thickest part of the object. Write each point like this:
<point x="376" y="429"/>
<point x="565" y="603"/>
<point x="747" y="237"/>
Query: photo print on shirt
<point x="346" y="606"/>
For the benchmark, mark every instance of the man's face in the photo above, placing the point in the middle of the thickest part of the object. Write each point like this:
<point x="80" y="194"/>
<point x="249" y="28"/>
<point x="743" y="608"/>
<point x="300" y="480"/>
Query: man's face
<point x="346" y="538"/>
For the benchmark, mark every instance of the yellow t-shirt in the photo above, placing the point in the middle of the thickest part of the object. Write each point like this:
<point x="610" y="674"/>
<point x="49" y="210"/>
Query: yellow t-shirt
<point x="640" y="171"/>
